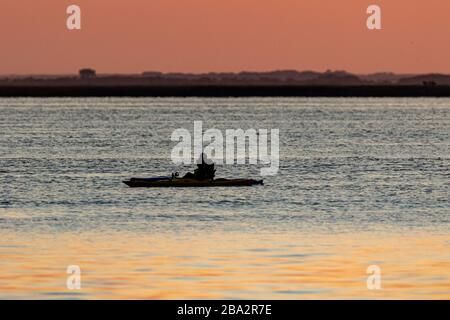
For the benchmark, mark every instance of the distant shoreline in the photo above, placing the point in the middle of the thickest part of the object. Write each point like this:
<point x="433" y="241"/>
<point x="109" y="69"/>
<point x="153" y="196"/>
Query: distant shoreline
<point x="224" y="91"/>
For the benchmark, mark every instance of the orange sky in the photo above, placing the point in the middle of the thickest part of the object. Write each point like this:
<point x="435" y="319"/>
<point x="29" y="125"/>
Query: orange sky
<point x="224" y="35"/>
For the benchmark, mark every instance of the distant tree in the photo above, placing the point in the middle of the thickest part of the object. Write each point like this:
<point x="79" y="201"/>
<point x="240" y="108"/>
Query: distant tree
<point x="87" y="73"/>
<point x="429" y="83"/>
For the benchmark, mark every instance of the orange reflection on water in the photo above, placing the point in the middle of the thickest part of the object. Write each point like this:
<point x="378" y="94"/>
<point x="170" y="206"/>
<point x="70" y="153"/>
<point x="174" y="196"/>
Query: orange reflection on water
<point x="226" y="265"/>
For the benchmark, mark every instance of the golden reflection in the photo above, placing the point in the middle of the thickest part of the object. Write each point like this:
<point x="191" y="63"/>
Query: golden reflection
<point x="227" y="265"/>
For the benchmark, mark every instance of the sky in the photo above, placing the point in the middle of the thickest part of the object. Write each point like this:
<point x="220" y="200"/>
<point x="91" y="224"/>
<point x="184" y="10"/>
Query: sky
<point x="133" y="36"/>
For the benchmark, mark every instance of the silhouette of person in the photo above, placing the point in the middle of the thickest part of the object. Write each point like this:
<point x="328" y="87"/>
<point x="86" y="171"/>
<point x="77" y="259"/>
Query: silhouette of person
<point x="204" y="170"/>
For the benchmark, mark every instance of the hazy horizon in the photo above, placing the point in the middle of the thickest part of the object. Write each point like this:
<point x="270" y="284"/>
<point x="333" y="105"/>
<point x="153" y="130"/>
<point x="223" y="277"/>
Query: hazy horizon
<point x="101" y="73"/>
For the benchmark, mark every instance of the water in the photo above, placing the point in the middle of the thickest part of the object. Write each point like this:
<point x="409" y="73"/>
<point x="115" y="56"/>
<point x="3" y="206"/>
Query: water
<point x="361" y="182"/>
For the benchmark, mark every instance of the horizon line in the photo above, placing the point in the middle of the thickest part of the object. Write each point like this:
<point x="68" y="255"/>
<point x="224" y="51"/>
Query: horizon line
<point x="221" y="72"/>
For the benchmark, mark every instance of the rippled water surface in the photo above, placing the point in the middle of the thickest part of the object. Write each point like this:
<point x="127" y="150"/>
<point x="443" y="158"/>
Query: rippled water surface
<point x="361" y="182"/>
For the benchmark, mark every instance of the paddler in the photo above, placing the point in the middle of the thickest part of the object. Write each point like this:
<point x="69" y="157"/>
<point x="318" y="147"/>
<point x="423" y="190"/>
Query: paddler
<point x="204" y="170"/>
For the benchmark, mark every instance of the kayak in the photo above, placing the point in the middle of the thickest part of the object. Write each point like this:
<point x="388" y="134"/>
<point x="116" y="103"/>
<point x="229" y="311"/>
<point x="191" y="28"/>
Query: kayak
<point x="160" y="182"/>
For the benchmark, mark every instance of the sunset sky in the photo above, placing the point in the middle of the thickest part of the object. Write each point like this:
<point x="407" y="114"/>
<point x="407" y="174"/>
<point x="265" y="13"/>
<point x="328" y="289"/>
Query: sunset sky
<point x="224" y="35"/>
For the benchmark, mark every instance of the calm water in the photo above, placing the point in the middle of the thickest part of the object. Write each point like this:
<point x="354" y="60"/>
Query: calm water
<point x="361" y="182"/>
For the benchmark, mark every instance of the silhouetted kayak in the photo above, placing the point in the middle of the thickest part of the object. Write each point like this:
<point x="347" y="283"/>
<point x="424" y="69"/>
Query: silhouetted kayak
<point x="180" y="182"/>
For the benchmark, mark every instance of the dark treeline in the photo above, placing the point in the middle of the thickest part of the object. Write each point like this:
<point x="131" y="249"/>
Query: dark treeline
<point x="226" y="91"/>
